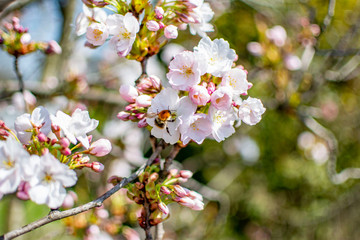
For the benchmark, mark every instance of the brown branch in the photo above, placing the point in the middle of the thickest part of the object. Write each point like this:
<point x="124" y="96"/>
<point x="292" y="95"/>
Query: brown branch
<point x="4" y="4"/>
<point x="168" y="161"/>
<point x="18" y="74"/>
<point x="13" y="6"/>
<point x="56" y="215"/>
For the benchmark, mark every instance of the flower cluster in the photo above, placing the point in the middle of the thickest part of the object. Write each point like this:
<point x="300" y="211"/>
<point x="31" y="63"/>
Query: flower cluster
<point x="159" y="194"/>
<point x="204" y="99"/>
<point x="136" y="29"/>
<point x="16" y="40"/>
<point x="38" y="161"/>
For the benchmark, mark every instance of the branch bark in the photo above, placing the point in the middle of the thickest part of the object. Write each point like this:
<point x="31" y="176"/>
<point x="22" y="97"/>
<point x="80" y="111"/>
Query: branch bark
<point x="56" y="215"/>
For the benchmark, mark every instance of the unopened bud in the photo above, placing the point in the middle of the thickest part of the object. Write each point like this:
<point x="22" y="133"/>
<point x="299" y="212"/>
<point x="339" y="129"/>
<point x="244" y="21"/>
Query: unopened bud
<point x="123" y="116"/>
<point x="165" y="190"/>
<point x="185" y="201"/>
<point x="143" y="100"/>
<point x="97" y="167"/>
<point x="66" y="151"/>
<point x="64" y="142"/>
<point x="53" y="48"/>
<point x="211" y="87"/>
<point x="159" y="12"/>
<point x="42" y="137"/>
<point x="186" y="173"/>
<point x="153" y="177"/>
<point x="44" y="151"/>
<point x="152" y="25"/>
<point x="100" y="147"/>
<point x="163" y="208"/>
<point x="171" y="32"/>
<point x="142" y="123"/>
<point x="128" y="93"/>
<point x="173" y="172"/>
<point x="180" y="191"/>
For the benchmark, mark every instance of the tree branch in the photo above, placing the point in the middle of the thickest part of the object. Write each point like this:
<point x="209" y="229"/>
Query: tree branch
<point x="9" y="8"/>
<point x="56" y="215"/>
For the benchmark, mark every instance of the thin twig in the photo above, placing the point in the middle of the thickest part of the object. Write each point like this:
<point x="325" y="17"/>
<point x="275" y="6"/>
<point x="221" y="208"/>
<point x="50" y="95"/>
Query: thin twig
<point x="168" y="161"/>
<point x="15" y="5"/>
<point x="56" y="215"/>
<point x="18" y="74"/>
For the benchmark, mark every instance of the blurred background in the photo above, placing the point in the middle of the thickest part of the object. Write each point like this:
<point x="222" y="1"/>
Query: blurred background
<point x="292" y="176"/>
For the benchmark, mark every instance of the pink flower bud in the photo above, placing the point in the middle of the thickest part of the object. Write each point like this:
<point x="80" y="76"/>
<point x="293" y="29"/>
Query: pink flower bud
<point x="25" y="38"/>
<point x="97" y="167"/>
<point x="128" y="93"/>
<point x="153" y="177"/>
<point x="199" y="95"/>
<point x="163" y="208"/>
<point x="143" y="100"/>
<point x="44" y="151"/>
<point x="69" y="200"/>
<point x="195" y="195"/>
<point x="173" y="172"/>
<point x="100" y="147"/>
<point x="64" y="142"/>
<point x="152" y="25"/>
<point x="159" y="12"/>
<point x="185" y="201"/>
<point x="42" y="137"/>
<point x="171" y="32"/>
<point x="180" y="191"/>
<point x="186" y="173"/>
<point x="198" y="205"/>
<point x="53" y="48"/>
<point x="123" y="116"/>
<point x="156" y="82"/>
<point x="165" y="190"/>
<point x="66" y="151"/>
<point x="142" y="123"/>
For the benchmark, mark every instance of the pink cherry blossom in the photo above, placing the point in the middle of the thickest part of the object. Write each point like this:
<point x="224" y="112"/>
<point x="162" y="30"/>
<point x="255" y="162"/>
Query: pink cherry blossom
<point x="222" y="98"/>
<point x="159" y="12"/>
<point x="199" y="95"/>
<point x="143" y="100"/>
<point x="197" y="129"/>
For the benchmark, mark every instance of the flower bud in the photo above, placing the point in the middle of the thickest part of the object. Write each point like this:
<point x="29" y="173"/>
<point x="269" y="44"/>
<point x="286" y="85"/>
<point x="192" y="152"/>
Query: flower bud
<point x="142" y="123"/>
<point x="66" y="151"/>
<point x="165" y="190"/>
<point x="185" y="201"/>
<point x="25" y="38"/>
<point x="180" y="191"/>
<point x="159" y="12"/>
<point x="97" y="167"/>
<point x="143" y="100"/>
<point x="128" y="93"/>
<point x="123" y="116"/>
<point x="100" y="147"/>
<point x="69" y="200"/>
<point x="211" y="87"/>
<point x="42" y="137"/>
<point x="23" y="190"/>
<point x="153" y="177"/>
<point x="161" y="25"/>
<point x="114" y="180"/>
<point x="171" y="32"/>
<point x="163" y="208"/>
<point x="53" y="48"/>
<point x="44" y="151"/>
<point x="186" y="173"/>
<point x="152" y="25"/>
<point x="198" y="205"/>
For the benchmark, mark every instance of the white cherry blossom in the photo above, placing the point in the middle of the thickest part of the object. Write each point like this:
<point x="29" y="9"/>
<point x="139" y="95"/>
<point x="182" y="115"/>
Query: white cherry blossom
<point x="47" y="186"/>
<point x="222" y="98"/>
<point x="12" y="157"/>
<point x="88" y="16"/>
<point x="236" y="79"/>
<point x="124" y="29"/>
<point x="222" y="123"/>
<point x="24" y="124"/>
<point x="197" y="129"/>
<point x="202" y="16"/>
<point x="185" y="71"/>
<point x="75" y="127"/>
<point x="180" y="110"/>
<point x="250" y="111"/>
<point x="217" y="55"/>
<point x="97" y="33"/>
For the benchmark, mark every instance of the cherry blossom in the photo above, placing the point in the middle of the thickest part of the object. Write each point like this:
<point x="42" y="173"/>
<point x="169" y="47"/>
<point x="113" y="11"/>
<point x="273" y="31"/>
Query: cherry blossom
<point x="124" y="29"/>
<point x="236" y="79"/>
<point x="12" y="156"/>
<point x="76" y="126"/>
<point x="171" y="32"/>
<point x="217" y="55"/>
<point x="185" y="71"/>
<point x="88" y="16"/>
<point x="250" y="111"/>
<point x="222" y="123"/>
<point x="128" y="93"/>
<point x="222" y="98"/>
<point x="180" y="110"/>
<point x="202" y="15"/>
<point x="199" y="95"/>
<point x="47" y="186"/>
<point x="152" y="25"/>
<point x="197" y="129"/>
<point x="97" y="33"/>
<point x="39" y="118"/>
<point x="100" y="147"/>
<point x="277" y="34"/>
